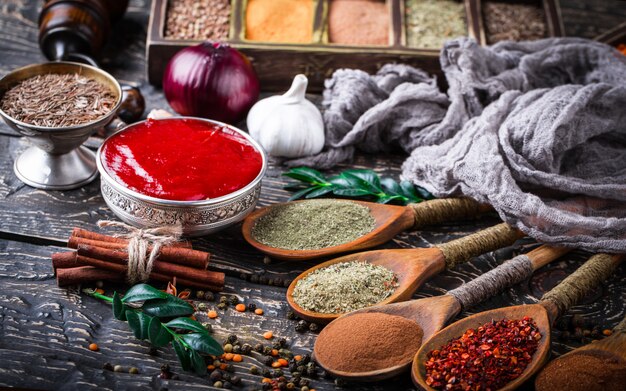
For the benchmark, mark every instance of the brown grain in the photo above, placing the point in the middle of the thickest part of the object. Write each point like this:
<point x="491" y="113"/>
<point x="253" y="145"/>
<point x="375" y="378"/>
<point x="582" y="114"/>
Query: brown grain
<point x="198" y="20"/>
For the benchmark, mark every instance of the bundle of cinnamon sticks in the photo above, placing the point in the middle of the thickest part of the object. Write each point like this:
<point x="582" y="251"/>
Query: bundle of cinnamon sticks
<point x="104" y="257"/>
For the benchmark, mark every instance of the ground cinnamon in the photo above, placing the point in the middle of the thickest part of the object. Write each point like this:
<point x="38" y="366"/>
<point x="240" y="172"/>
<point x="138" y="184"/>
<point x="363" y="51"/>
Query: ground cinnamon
<point x="591" y="370"/>
<point x="367" y="342"/>
<point x="280" y="20"/>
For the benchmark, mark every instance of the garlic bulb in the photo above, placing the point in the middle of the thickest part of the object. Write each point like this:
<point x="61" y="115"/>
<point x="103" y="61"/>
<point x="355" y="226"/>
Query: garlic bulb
<point x="288" y="125"/>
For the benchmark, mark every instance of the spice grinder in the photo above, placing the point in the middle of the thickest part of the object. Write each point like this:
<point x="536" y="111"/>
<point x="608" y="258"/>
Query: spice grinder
<point x="57" y="161"/>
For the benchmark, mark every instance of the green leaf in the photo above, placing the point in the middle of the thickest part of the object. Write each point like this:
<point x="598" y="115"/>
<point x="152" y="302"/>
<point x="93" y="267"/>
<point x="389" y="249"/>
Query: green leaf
<point x="170" y="307"/>
<point x="187" y="324"/>
<point x="368" y="179"/>
<point x="300" y="193"/>
<point x="424" y="193"/>
<point x="142" y="292"/>
<point x="139" y="323"/>
<point x="119" y="309"/>
<point x="351" y="192"/>
<point x="408" y="190"/>
<point x="320" y="191"/>
<point x="389" y="198"/>
<point x="390" y="186"/>
<point x="183" y="356"/>
<point x="306" y="174"/>
<point x="159" y="336"/>
<point x="340" y="182"/>
<point x="204" y="343"/>
<point x="197" y="362"/>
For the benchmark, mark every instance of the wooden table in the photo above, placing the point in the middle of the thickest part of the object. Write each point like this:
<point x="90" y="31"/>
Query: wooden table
<point x="45" y="330"/>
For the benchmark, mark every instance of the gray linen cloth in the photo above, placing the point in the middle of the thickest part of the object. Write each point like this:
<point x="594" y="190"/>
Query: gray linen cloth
<point x="536" y="129"/>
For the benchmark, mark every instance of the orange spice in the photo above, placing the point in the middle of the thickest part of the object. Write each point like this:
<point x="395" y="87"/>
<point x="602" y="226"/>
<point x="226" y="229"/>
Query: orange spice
<point x="622" y="48"/>
<point x="283" y="362"/>
<point x="228" y="356"/>
<point x="268" y="335"/>
<point x="210" y="367"/>
<point x="212" y="314"/>
<point x="280" y="20"/>
<point x="274" y="352"/>
<point x="297" y="357"/>
<point x="100" y="291"/>
<point x="276" y="364"/>
<point x="94" y="347"/>
<point x="237" y="358"/>
<point x="240" y="307"/>
<point x="223" y="366"/>
<point x="266" y="380"/>
<point x="258" y="311"/>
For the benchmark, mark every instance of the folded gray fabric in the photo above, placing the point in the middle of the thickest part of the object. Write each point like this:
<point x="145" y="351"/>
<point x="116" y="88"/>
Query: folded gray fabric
<point x="537" y="129"/>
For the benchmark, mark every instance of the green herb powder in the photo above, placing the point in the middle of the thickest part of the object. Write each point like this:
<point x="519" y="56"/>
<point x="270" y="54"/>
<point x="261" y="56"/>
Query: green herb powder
<point x="430" y="23"/>
<point x="344" y="287"/>
<point x="313" y="224"/>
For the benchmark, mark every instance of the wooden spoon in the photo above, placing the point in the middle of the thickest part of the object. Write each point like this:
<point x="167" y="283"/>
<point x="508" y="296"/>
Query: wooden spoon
<point x="554" y="303"/>
<point x="414" y="266"/>
<point x="432" y="313"/>
<point x="389" y="221"/>
<point x="613" y="346"/>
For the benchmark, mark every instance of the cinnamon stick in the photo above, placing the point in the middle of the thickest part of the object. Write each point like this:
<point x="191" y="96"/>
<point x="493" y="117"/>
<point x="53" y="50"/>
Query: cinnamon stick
<point x="81" y="274"/>
<point x="121" y="258"/>
<point x="213" y="284"/>
<point x="182" y="256"/>
<point x="64" y="260"/>
<point x="86" y="234"/>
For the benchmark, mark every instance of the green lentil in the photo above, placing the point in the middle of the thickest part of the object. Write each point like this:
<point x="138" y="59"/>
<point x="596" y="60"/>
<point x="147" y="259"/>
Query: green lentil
<point x="313" y="224"/>
<point x="429" y="23"/>
<point x="344" y="287"/>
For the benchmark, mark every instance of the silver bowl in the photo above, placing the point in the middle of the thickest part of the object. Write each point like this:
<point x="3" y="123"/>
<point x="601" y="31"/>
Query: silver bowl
<point x="197" y="217"/>
<point x="57" y="161"/>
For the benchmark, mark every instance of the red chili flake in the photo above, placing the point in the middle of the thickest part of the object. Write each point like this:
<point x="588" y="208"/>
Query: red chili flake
<point x="487" y="358"/>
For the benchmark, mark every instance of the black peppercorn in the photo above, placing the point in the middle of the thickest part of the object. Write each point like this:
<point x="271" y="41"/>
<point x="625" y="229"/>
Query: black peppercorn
<point x="267" y="350"/>
<point x="230" y="368"/>
<point x="235" y="380"/>
<point x="302" y="326"/>
<point x="578" y="321"/>
<point x="268" y="360"/>
<point x="278" y="373"/>
<point x="324" y="374"/>
<point x="237" y="349"/>
<point x="283" y="342"/>
<point x="215" y="375"/>
<point x="304" y="382"/>
<point x="278" y="282"/>
<point x="227" y="385"/>
<point x="226" y="376"/>
<point x="258" y="348"/>
<point x="251" y="307"/>
<point x="291" y="315"/>
<point x="107" y="366"/>
<point x="267" y="373"/>
<point x="305" y="359"/>
<point x="254" y="279"/>
<point x="286" y="283"/>
<point x="209" y="296"/>
<point x="244" y="276"/>
<point x="301" y="369"/>
<point x="340" y="382"/>
<point x="234" y="300"/>
<point x="267" y="386"/>
<point x="314" y="327"/>
<point x="232" y="338"/>
<point x="276" y="345"/>
<point x="293" y="368"/>
<point x="263" y="280"/>
<point x="296" y="379"/>
<point x="222" y="306"/>
<point x="246" y="348"/>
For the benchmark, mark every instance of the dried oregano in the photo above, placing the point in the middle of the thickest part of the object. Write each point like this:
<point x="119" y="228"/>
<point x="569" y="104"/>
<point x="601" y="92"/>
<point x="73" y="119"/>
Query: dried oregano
<point x="344" y="287"/>
<point x="313" y="224"/>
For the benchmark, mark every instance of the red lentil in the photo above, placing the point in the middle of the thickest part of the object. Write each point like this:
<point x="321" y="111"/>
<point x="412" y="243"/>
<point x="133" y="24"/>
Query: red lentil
<point x="488" y="357"/>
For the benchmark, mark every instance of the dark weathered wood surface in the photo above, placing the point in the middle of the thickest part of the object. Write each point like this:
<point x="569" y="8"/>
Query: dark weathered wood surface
<point x="45" y="330"/>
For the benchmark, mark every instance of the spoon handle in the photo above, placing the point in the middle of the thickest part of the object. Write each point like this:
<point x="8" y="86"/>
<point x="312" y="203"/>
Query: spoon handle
<point x="445" y="209"/>
<point x="509" y="273"/>
<point x="597" y="269"/>
<point x="462" y="250"/>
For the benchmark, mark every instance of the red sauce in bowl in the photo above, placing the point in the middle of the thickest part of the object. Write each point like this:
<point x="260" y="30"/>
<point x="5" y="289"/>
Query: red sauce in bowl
<point x="181" y="159"/>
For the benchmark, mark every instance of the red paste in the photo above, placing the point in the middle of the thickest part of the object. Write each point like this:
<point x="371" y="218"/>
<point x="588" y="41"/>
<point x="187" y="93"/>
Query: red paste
<point x="181" y="159"/>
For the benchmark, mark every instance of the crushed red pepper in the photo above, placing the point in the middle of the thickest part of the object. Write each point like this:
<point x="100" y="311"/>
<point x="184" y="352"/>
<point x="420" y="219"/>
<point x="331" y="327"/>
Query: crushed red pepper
<point x="486" y="358"/>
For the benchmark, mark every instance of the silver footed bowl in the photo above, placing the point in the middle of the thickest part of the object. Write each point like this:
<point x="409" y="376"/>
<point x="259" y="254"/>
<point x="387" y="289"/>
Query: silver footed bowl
<point x="197" y="217"/>
<point x="57" y="161"/>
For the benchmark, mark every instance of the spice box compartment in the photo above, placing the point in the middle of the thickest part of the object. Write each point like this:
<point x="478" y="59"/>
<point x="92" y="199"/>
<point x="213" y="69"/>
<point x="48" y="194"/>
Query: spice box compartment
<point x="276" y="62"/>
<point x="549" y="10"/>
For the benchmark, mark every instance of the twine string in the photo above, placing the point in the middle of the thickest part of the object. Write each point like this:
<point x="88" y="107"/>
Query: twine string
<point x="572" y="289"/>
<point x="462" y="250"/>
<point x="140" y="260"/>
<point x="494" y="281"/>
<point x="441" y="210"/>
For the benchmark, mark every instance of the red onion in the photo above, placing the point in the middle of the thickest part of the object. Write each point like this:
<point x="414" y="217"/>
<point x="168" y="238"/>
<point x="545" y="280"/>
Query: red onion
<point x="211" y="80"/>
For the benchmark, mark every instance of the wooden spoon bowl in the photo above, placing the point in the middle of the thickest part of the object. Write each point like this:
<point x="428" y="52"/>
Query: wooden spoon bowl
<point x="411" y="266"/>
<point x="431" y="314"/>
<point x="389" y="221"/>
<point x="538" y="312"/>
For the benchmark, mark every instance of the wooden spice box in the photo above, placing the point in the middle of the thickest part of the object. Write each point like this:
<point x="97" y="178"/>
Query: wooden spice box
<point x="277" y="63"/>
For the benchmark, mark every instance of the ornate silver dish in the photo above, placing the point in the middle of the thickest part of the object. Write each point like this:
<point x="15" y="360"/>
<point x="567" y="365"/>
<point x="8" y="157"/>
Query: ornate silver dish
<point x="198" y="217"/>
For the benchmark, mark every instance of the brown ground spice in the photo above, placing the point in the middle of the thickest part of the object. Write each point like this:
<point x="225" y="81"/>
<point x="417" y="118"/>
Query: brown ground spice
<point x="358" y="22"/>
<point x="593" y="370"/>
<point x="280" y="20"/>
<point x="367" y="342"/>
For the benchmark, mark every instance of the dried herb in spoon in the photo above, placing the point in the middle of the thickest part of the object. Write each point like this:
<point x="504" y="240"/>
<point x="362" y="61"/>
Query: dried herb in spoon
<point x="58" y="100"/>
